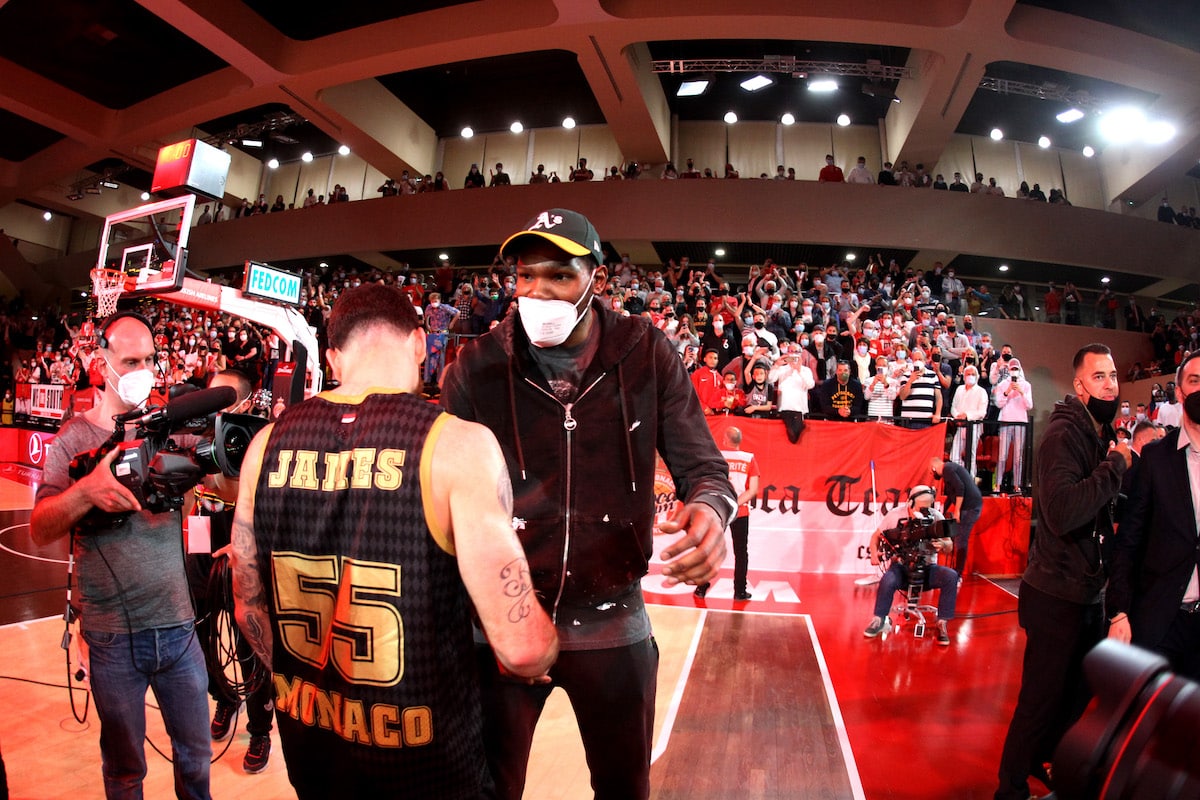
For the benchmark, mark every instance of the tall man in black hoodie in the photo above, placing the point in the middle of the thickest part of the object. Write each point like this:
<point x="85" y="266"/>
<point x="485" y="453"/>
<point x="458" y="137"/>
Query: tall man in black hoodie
<point x="1079" y="468"/>
<point x="580" y="399"/>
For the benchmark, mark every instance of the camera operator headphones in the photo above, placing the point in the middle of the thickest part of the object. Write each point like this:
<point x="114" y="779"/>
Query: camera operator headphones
<point x="102" y="331"/>
<point x="918" y="491"/>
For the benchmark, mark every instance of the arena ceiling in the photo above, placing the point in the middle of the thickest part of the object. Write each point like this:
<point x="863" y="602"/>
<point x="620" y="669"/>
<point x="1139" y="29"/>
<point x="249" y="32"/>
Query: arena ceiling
<point x="94" y="85"/>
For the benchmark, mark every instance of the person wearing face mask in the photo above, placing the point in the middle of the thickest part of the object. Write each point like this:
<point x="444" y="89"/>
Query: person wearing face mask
<point x="968" y="409"/>
<point x="841" y="397"/>
<point x="881" y="392"/>
<point x="1014" y="397"/>
<point x="1125" y="418"/>
<point x="437" y="319"/>
<point x="920" y="395"/>
<point x="132" y="587"/>
<point x="580" y="399"/>
<point x="1079" y="469"/>
<point x="825" y="352"/>
<point x="1154" y="585"/>
<point x="723" y="338"/>
<point x="793" y="379"/>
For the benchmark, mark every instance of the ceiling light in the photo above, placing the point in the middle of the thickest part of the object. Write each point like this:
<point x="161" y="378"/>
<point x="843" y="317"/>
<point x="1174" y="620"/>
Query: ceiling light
<point x="443" y="257"/>
<point x="344" y="150"/>
<point x="516" y="127"/>
<point x="1122" y="125"/>
<point x="273" y="163"/>
<point x="692" y="88"/>
<point x="720" y="251"/>
<point x="145" y="196"/>
<point x="822" y="85"/>
<point x="1105" y="279"/>
<point x="1044" y="142"/>
<point x="788" y="118"/>
<point x="1003" y="268"/>
<point x="851" y="256"/>
<point x="756" y="83"/>
<point x="1159" y="132"/>
<point x="568" y="122"/>
<point x="730" y="117"/>
<point x="47" y="216"/>
<point x="252" y="143"/>
<point x="83" y="294"/>
<point x="1088" y="151"/>
<point x="1069" y="116"/>
<point x="843" y="120"/>
<point x="307" y="157"/>
<point x="324" y="265"/>
<point x="110" y="184"/>
<point x="468" y="132"/>
<point x="996" y="134"/>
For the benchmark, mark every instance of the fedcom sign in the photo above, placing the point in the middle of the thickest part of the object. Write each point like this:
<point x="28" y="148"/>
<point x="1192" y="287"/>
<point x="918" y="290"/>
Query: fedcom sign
<point x="271" y="284"/>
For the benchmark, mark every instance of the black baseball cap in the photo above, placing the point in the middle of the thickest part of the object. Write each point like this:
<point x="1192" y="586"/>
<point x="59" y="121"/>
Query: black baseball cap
<point x="568" y="230"/>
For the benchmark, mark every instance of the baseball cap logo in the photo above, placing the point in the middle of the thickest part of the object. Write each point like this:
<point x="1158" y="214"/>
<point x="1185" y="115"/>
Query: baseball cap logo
<point x="546" y="220"/>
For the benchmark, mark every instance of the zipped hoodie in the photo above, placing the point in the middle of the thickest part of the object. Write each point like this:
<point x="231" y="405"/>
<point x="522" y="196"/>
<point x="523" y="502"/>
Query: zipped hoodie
<point x="1077" y="481"/>
<point x="583" y="472"/>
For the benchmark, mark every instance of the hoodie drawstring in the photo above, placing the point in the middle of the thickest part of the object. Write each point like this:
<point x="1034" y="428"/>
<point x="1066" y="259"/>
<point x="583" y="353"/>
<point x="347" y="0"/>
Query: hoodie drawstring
<point x="625" y="426"/>
<point x="512" y="408"/>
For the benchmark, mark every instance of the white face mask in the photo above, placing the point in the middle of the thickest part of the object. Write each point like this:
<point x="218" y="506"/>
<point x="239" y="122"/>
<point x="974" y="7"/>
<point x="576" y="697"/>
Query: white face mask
<point x="970" y="380"/>
<point x="548" y="323"/>
<point x="134" y="387"/>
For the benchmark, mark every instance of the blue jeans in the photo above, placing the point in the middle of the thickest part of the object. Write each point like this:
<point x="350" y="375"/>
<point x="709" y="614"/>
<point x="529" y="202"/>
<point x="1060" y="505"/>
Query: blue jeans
<point x="170" y="661"/>
<point x="896" y="578"/>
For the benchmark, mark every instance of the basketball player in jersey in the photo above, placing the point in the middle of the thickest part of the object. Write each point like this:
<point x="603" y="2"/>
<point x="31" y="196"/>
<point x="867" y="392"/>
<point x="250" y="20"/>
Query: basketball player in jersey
<point x="369" y="524"/>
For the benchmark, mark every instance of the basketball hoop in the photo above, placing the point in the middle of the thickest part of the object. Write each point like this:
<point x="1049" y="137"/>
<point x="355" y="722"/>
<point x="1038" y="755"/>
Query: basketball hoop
<point x="107" y="286"/>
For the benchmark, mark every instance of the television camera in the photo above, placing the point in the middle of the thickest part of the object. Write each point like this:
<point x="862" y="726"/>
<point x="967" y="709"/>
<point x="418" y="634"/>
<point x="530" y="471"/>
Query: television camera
<point x="154" y="467"/>
<point x="911" y="542"/>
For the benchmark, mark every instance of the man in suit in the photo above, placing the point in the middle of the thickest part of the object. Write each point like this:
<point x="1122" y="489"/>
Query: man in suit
<point x="1154" y="589"/>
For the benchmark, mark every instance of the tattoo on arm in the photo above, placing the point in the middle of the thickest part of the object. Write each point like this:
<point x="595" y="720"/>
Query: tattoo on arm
<point x="519" y="588"/>
<point x="249" y="593"/>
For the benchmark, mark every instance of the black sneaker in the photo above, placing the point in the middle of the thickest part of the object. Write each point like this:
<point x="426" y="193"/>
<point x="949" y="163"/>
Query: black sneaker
<point x="222" y="721"/>
<point x="743" y="595"/>
<point x="943" y="635"/>
<point x="257" y="754"/>
<point x="701" y="590"/>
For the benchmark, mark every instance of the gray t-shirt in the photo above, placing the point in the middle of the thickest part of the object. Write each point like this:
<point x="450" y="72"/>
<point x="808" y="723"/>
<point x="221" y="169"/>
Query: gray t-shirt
<point x="130" y="578"/>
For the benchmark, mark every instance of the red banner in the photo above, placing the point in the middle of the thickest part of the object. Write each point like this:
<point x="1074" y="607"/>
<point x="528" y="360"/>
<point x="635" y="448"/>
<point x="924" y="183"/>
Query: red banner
<point x="820" y="499"/>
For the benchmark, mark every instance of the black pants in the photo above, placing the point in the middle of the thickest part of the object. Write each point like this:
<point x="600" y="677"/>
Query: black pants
<point x="793" y="421"/>
<point x="739" y="529"/>
<point x="612" y="693"/>
<point x="1181" y="646"/>
<point x="259" y="706"/>
<point x="1058" y="634"/>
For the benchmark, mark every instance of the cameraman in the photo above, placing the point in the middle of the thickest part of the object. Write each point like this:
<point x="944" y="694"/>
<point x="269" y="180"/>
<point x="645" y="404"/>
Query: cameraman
<point x="918" y="510"/>
<point x="136" y="616"/>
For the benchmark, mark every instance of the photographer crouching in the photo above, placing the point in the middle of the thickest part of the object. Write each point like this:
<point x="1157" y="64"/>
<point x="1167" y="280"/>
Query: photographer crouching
<point x="136" y="616"/>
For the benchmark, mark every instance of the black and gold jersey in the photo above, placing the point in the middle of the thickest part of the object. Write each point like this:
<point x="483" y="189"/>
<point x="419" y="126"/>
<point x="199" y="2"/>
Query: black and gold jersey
<point x="374" y="673"/>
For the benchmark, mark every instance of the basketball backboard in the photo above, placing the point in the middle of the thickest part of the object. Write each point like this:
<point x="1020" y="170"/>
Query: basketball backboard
<point x="149" y="244"/>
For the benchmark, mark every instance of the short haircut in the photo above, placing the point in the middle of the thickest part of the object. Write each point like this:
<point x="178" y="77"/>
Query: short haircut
<point x="734" y="435"/>
<point x="1095" y="348"/>
<point x="244" y="384"/>
<point x="1182" y="364"/>
<point x="370" y="304"/>
<point x="1145" y="426"/>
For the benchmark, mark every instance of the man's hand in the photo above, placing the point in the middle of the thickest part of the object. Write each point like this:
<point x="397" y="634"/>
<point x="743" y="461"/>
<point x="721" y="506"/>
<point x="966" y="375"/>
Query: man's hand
<point x="1120" y="631"/>
<point x="696" y="557"/>
<point x="1122" y="447"/>
<point x="102" y="490"/>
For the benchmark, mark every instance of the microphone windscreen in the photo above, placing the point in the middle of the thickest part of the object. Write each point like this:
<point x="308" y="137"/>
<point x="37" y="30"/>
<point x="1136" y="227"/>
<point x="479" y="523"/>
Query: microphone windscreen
<point x="199" y="404"/>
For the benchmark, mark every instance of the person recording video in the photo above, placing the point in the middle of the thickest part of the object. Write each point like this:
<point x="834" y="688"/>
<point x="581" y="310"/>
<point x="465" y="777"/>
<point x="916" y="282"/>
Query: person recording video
<point x="136" y="616"/>
<point x="915" y="549"/>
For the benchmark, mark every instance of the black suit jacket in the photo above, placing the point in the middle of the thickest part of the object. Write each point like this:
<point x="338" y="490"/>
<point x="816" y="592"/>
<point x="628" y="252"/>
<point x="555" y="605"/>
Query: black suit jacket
<point x="1157" y="545"/>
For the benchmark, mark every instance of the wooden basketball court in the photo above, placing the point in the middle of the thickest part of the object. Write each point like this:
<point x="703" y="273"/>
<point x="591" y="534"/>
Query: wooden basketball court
<point x="779" y="697"/>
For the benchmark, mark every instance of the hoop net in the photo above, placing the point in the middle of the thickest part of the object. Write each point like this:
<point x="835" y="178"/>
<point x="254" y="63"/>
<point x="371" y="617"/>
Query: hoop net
<point x="107" y="286"/>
